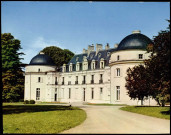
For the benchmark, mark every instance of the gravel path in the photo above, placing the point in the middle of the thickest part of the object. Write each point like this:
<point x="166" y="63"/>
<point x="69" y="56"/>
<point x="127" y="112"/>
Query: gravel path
<point x="109" y="119"/>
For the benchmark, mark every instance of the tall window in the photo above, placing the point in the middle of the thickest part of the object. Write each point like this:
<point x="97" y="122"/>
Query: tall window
<point x="92" y="93"/>
<point x="62" y="80"/>
<point x="38" y="94"/>
<point x="39" y="79"/>
<point x="140" y="56"/>
<point x="101" y="90"/>
<point x="92" y="79"/>
<point x="118" y="57"/>
<point x="69" y="93"/>
<point x="84" y="79"/>
<point x="39" y="70"/>
<point x="56" y="81"/>
<point x="117" y="92"/>
<point x="76" y="81"/>
<point x="118" y="72"/>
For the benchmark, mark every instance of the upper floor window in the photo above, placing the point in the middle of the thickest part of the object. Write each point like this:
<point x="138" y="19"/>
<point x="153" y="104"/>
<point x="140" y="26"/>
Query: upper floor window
<point x="39" y="70"/>
<point x="118" y="72"/>
<point x="118" y="57"/>
<point x="39" y="79"/>
<point x="140" y="56"/>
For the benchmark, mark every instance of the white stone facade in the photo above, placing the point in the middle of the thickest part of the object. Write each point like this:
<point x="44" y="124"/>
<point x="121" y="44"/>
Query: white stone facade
<point x="105" y="84"/>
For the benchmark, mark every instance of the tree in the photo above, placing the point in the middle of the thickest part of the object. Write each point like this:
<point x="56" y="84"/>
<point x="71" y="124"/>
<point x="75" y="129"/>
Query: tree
<point x="137" y="83"/>
<point x="159" y="67"/>
<point x="12" y="74"/>
<point x="58" y="55"/>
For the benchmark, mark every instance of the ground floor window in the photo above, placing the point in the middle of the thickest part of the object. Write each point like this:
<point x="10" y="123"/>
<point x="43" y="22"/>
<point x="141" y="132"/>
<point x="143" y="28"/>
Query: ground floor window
<point x="92" y="93"/>
<point x="117" y="92"/>
<point x="38" y="94"/>
<point x="69" y="93"/>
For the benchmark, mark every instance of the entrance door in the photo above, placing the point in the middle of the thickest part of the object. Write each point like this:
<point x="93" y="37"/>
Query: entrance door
<point x="84" y="94"/>
<point x="55" y="96"/>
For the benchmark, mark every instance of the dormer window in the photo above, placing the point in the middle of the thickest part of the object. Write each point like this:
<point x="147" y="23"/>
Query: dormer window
<point x="77" y="58"/>
<point x="102" y="63"/>
<point x="99" y="55"/>
<point x="70" y="67"/>
<point x="118" y="57"/>
<point x="64" y="67"/>
<point x="108" y="54"/>
<point x="93" y="64"/>
<point x="77" y="66"/>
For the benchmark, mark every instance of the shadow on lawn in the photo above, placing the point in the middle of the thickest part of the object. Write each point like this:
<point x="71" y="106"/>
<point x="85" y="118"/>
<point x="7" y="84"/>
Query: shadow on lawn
<point x="166" y="112"/>
<point x="14" y="109"/>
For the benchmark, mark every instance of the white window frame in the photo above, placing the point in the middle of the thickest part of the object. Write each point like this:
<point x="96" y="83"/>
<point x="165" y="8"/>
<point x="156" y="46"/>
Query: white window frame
<point x="37" y="93"/>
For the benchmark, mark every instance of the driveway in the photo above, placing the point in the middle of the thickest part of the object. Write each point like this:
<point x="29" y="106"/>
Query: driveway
<point x="109" y="119"/>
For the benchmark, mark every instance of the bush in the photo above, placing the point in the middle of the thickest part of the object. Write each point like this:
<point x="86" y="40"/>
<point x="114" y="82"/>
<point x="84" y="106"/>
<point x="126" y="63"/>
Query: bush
<point x="26" y="102"/>
<point x="32" y="102"/>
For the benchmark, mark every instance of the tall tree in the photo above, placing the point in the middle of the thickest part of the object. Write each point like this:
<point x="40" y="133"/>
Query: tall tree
<point x="159" y="66"/>
<point x="58" y="55"/>
<point x="137" y="83"/>
<point x="12" y="74"/>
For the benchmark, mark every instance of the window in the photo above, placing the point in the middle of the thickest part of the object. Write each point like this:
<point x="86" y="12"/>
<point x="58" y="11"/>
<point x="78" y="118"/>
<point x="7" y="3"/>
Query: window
<point x="69" y="93"/>
<point x="118" y="72"/>
<point x="55" y="90"/>
<point x="38" y="94"/>
<point x="39" y="79"/>
<point x="39" y="70"/>
<point x="84" y="79"/>
<point x="102" y="64"/>
<point x="62" y="80"/>
<point x="92" y="79"/>
<point x="118" y="57"/>
<point x="117" y="92"/>
<point x="101" y="78"/>
<point x="140" y="56"/>
<point x="56" y="81"/>
<point x="92" y="94"/>
<point x="101" y="90"/>
<point x="76" y="82"/>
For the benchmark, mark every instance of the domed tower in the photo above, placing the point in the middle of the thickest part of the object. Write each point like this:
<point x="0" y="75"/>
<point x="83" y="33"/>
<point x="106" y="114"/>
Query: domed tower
<point x="131" y="51"/>
<point x="36" y="77"/>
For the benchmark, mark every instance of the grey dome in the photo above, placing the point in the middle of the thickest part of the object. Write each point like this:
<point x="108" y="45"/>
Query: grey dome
<point x="134" y="41"/>
<point x="41" y="59"/>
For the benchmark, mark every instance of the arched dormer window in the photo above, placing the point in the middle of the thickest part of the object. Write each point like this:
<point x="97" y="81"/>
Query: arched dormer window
<point x="64" y="68"/>
<point x="77" y="66"/>
<point x="70" y="67"/>
<point x="102" y="63"/>
<point x="93" y="64"/>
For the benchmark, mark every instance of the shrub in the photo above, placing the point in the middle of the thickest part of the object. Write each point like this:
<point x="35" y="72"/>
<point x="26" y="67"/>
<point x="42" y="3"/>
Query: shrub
<point x="26" y="102"/>
<point x="32" y="102"/>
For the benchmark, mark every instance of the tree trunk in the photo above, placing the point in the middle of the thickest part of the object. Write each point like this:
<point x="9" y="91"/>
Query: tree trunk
<point x="141" y="101"/>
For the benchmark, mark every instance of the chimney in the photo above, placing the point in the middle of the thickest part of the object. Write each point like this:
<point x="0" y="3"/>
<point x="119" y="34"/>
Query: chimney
<point x="136" y="32"/>
<point x="90" y="49"/>
<point x="84" y="50"/>
<point x="98" y="48"/>
<point x="107" y="46"/>
<point x="115" y="45"/>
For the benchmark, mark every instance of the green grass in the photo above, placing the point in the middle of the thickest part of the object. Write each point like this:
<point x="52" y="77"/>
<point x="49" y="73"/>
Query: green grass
<point x="106" y="104"/>
<point x="155" y="111"/>
<point x="52" y="103"/>
<point x="19" y="118"/>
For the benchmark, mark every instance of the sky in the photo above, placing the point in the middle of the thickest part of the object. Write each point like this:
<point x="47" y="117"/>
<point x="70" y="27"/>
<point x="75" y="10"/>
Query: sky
<point x="75" y="25"/>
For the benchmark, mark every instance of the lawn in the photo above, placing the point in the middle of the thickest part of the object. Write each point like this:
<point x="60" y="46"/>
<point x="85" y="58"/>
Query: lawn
<point x="155" y="111"/>
<point x="19" y="118"/>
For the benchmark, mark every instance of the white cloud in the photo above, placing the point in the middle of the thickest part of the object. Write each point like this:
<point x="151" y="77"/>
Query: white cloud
<point x="36" y="46"/>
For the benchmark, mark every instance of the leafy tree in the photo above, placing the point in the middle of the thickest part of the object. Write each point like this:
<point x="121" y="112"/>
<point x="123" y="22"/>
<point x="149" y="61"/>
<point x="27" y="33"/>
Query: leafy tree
<point x="137" y="83"/>
<point x="159" y="67"/>
<point x="58" y="55"/>
<point x="12" y="74"/>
